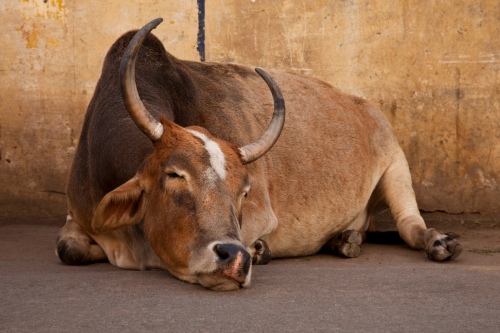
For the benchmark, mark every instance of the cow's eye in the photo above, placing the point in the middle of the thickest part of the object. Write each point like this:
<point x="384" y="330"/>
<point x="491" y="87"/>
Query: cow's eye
<point x="174" y="175"/>
<point x="173" y="178"/>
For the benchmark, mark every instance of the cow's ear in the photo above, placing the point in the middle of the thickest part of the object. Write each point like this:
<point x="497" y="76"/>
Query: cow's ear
<point x="124" y="206"/>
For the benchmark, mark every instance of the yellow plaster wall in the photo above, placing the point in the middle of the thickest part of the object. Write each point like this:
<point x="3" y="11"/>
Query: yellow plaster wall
<point x="51" y="58"/>
<point x="431" y="66"/>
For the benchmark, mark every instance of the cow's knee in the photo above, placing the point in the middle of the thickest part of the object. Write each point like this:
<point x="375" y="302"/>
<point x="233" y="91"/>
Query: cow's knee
<point x="346" y="244"/>
<point x="75" y="247"/>
<point x="72" y="251"/>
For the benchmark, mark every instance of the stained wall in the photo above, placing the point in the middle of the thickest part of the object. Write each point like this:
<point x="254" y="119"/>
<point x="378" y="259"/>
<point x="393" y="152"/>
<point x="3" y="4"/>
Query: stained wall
<point x="431" y="66"/>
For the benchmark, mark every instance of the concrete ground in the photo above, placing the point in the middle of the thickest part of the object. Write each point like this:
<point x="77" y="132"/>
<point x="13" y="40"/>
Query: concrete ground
<point x="389" y="288"/>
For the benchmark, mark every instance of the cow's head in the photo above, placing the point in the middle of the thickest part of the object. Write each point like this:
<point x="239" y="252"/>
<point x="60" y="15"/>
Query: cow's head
<point x="190" y="190"/>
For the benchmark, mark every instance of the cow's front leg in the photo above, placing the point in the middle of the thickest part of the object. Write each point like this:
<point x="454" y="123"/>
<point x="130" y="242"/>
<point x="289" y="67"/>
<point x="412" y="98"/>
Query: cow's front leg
<point x="346" y="244"/>
<point x="260" y="252"/>
<point x="75" y="247"/>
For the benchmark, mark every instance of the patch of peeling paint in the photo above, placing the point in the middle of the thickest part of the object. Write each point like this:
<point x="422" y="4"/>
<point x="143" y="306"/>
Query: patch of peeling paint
<point x="29" y="34"/>
<point x="44" y="9"/>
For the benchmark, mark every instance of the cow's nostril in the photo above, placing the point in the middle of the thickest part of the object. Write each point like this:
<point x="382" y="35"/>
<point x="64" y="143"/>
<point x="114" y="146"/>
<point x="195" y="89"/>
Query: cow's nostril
<point x="234" y="258"/>
<point x="222" y="251"/>
<point x="229" y="252"/>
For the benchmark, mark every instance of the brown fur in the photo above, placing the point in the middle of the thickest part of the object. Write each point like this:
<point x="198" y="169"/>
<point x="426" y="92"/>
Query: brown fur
<point x="336" y="159"/>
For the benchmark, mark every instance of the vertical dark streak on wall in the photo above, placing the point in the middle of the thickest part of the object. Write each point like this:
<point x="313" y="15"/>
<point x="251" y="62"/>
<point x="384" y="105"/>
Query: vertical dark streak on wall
<point x="201" y="29"/>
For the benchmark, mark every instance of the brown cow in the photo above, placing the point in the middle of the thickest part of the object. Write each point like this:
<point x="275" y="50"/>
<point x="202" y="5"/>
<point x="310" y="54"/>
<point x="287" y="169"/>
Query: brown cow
<point x="185" y="198"/>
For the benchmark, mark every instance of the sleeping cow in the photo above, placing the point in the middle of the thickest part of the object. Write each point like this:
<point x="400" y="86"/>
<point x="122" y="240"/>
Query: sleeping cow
<point x="174" y="169"/>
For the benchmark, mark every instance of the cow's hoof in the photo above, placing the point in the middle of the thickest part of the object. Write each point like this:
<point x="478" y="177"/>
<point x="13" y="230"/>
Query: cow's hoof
<point x="261" y="253"/>
<point x="445" y="247"/>
<point x="346" y="244"/>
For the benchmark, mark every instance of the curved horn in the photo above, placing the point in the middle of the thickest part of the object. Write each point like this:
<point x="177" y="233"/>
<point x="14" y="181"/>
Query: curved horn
<point x="257" y="149"/>
<point x="138" y="112"/>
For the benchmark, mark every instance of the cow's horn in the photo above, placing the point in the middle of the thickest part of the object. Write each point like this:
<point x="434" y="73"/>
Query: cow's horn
<point x="138" y="112"/>
<point x="258" y="148"/>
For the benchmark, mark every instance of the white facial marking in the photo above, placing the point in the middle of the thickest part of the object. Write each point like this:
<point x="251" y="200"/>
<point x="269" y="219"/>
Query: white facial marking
<point x="217" y="158"/>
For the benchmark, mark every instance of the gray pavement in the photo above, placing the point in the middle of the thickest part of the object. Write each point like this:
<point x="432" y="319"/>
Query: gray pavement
<point x="389" y="288"/>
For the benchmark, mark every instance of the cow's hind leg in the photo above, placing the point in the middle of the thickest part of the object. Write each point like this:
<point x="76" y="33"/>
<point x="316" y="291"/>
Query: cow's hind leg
<point x="396" y="189"/>
<point x="346" y="244"/>
<point x="76" y="247"/>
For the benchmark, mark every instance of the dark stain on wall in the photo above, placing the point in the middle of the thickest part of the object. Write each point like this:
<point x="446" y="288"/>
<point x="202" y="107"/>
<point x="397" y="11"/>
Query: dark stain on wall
<point x="201" y="30"/>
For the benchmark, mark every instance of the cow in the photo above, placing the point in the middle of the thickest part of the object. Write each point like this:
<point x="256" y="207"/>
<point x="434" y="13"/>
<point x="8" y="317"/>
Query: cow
<point x="177" y="168"/>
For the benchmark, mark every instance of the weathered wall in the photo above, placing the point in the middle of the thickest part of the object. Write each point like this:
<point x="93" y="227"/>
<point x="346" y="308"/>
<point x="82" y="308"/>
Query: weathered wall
<point x="52" y="56"/>
<point x="431" y="66"/>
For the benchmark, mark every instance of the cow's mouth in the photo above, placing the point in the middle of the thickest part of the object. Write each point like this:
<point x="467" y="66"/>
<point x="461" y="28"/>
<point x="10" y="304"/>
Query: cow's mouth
<point x="221" y="282"/>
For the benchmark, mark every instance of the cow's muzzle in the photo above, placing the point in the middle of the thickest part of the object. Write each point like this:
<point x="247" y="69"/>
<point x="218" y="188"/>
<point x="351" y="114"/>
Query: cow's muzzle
<point x="233" y="262"/>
